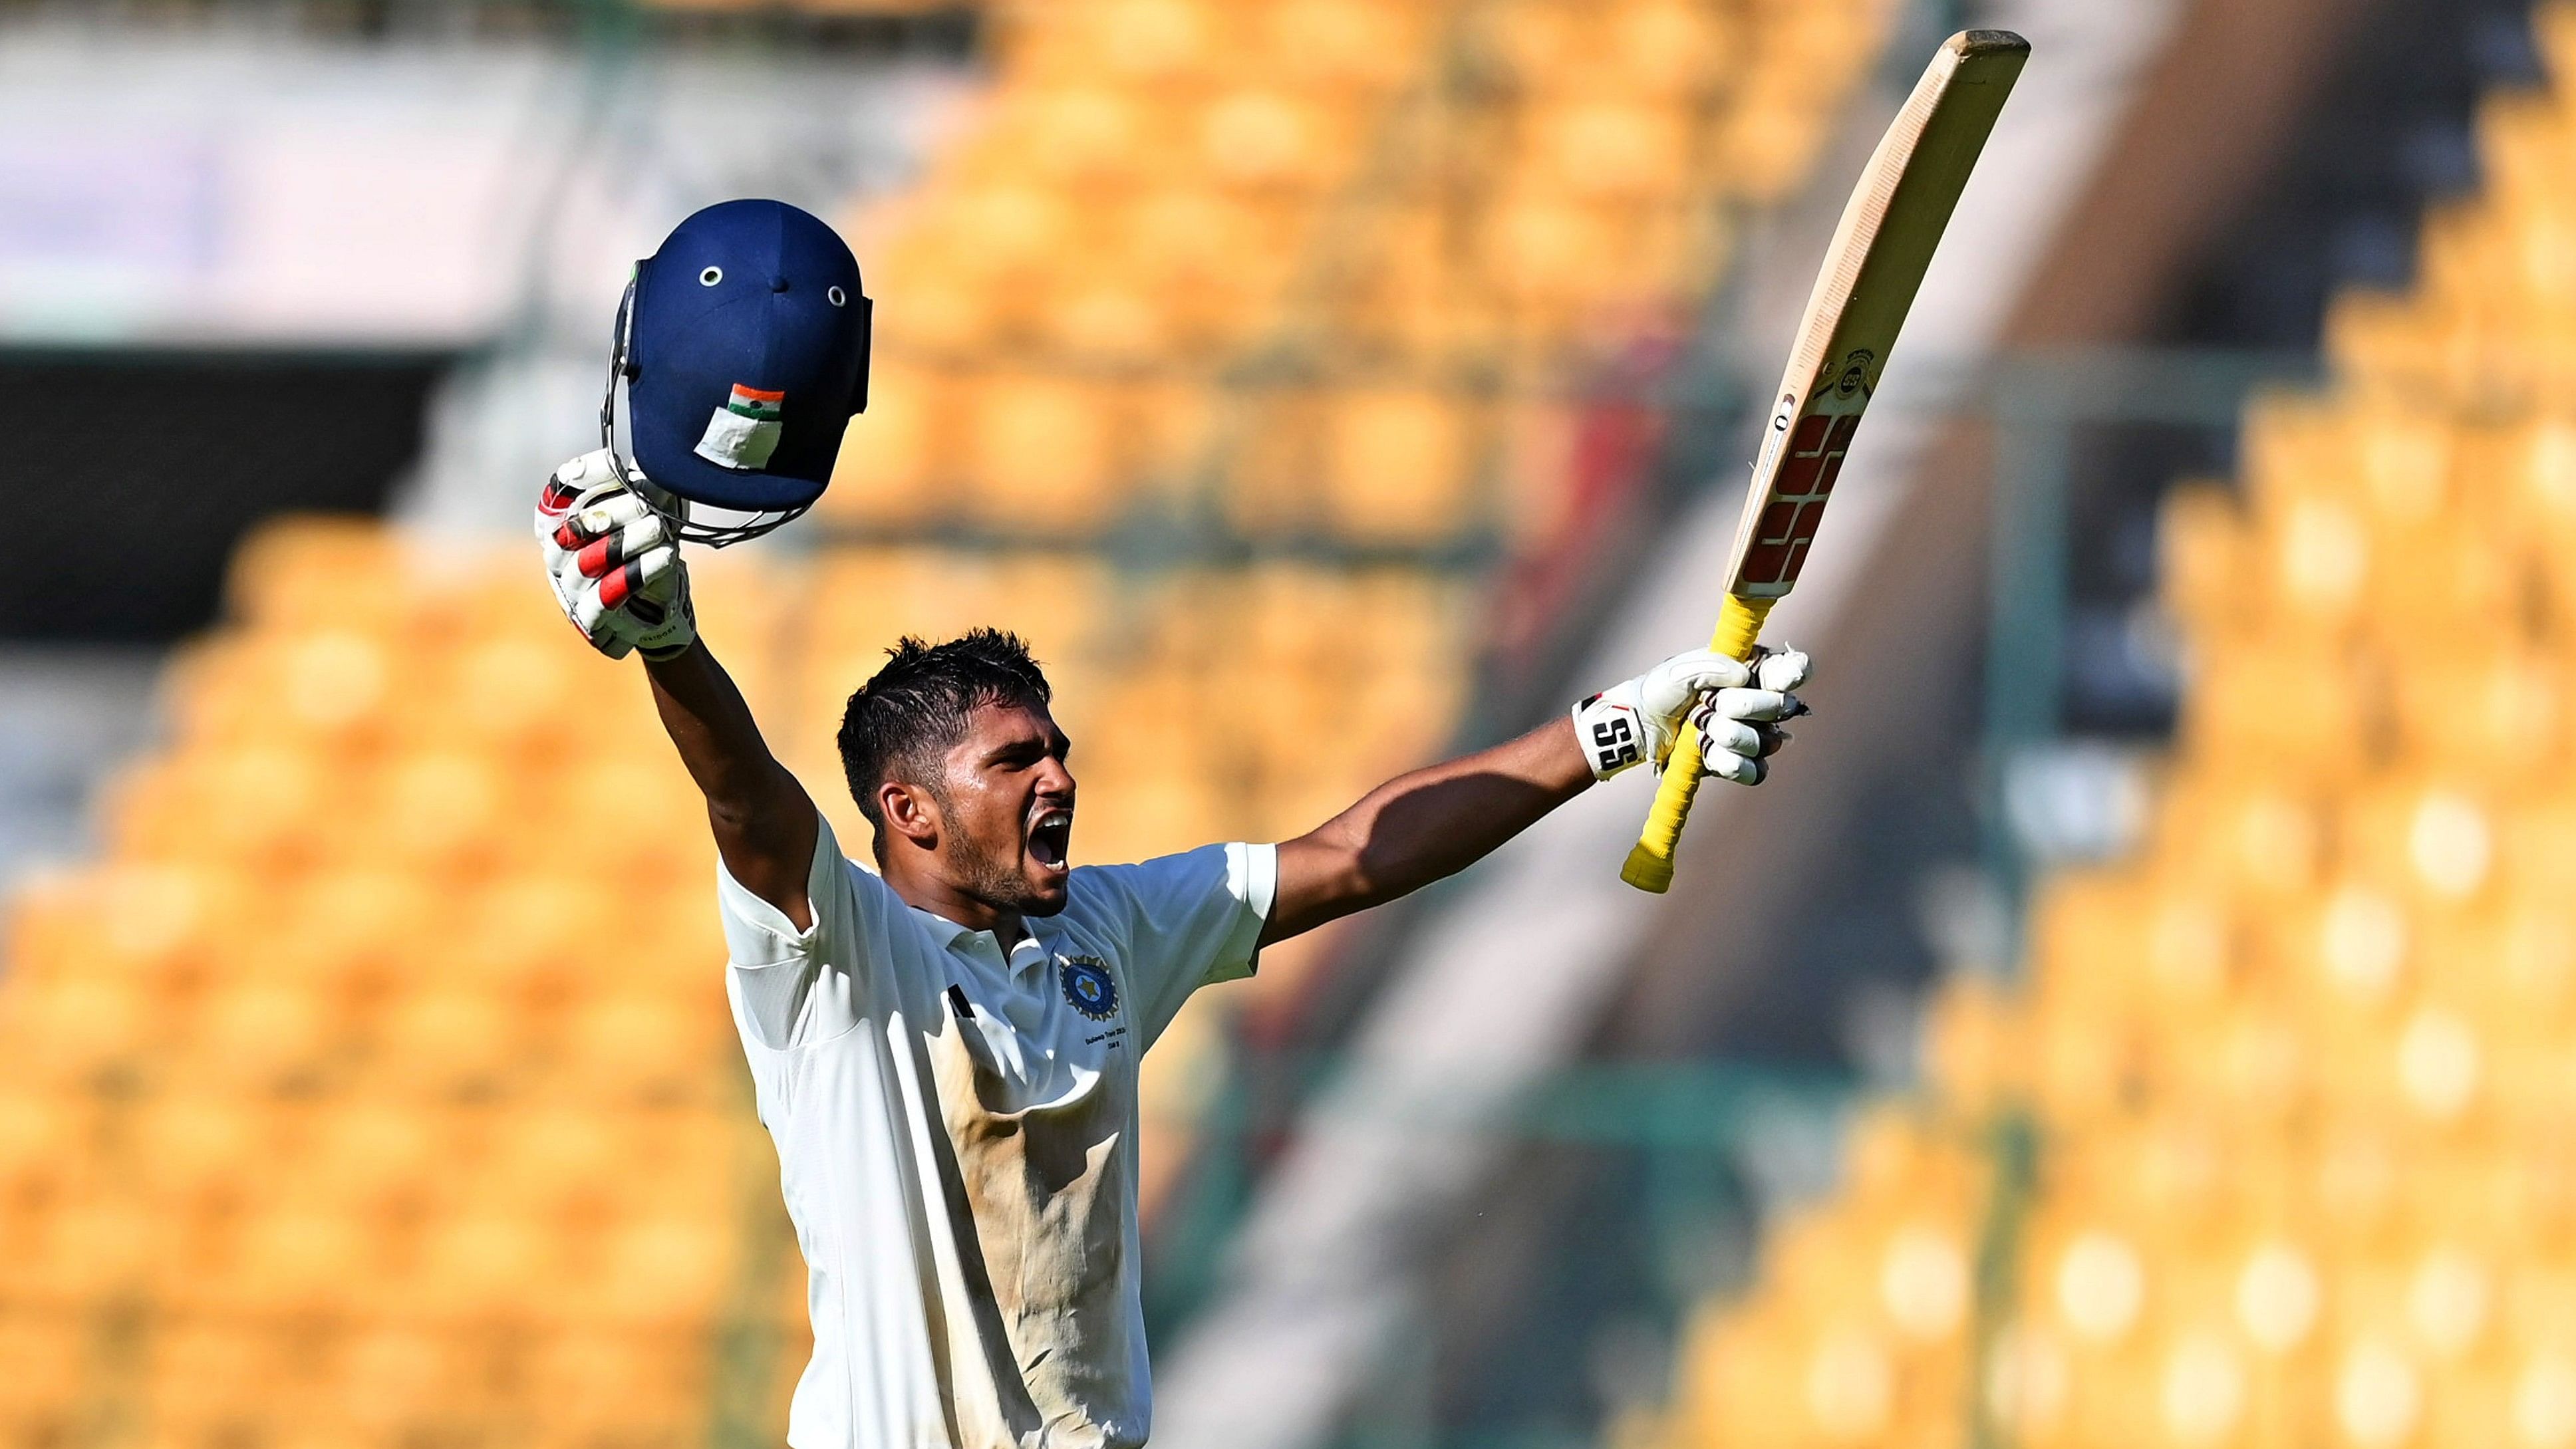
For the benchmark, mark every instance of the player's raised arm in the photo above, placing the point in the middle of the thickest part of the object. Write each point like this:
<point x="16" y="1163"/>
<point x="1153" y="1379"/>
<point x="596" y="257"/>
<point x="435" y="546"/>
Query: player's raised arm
<point x="1435" y="822"/>
<point x="621" y="582"/>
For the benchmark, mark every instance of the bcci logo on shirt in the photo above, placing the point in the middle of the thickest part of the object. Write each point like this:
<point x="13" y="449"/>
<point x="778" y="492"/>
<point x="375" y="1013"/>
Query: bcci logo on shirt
<point x="1087" y="985"/>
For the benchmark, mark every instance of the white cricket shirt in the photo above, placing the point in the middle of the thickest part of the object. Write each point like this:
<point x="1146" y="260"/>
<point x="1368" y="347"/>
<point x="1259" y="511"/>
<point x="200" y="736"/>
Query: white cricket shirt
<point x="956" y="1134"/>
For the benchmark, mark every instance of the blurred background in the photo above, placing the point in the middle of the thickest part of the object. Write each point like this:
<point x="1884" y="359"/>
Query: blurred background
<point x="2141" y="1011"/>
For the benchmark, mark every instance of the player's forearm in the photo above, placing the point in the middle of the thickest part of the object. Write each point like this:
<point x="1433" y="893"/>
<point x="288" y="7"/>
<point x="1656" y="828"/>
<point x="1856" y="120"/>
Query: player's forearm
<point x="712" y="727"/>
<point x="762" y="818"/>
<point x="1421" y="827"/>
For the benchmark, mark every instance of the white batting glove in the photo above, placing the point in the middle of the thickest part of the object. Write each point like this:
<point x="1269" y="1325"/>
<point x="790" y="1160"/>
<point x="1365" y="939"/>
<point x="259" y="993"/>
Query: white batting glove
<point x="616" y="573"/>
<point x="1738" y="706"/>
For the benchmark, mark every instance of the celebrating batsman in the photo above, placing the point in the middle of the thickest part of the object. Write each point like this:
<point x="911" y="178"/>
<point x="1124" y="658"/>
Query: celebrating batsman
<point x="945" y="1047"/>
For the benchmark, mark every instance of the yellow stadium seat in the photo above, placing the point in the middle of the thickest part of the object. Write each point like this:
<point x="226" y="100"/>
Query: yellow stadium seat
<point x="2440" y="840"/>
<point x="476" y="1265"/>
<point x="392" y="1377"/>
<point x="645" y="1044"/>
<point x="2303" y="711"/>
<point x="1976" y="1048"/>
<point x="378" y="1157"/>
<point x="255" y="806"/>
<point x="2540" y="845"/>
<point x="193" y="1147"/>
<point x="66" y="1027"/>
<point x="1216" y="259"/>
<point x="144" y="922"/>
<point x="1081" y="135"/>
<point x="1525" y="40"/>
<point x="2260" y="834"/>
<point x="262" y="1035"/>
<point x="431" y="810"/>
<point x="1398" y="466"/>
<point x="591" y="1380"/>
<point x="2204" y="565"/>
<point x="644" y="812"/>
<point x="337" y="682"/>
<point x="1255" y="139"/>
<point x="520" y="938"/>
<point x="2500" y="713"/>
<point x="661" y="1271"/>
<point x="2317" y="563"/>
<point x="292" y="1261"/>
<point x="1292" y="617"/>
<point x="2381" y="340"/>
<point x="1189" y="233"/>
<point x="1171" y="425"/>
<point x="1010" y="234"/>
<point x="1274" y="463"/>
<point x="1112" y="320"/>
<point x="1153" y="41"/>
<point x="561" y="1163"/>
<point x="437" y="1038"/>
<point x="299" y="571"/>
<point x="1351" y="46"/>
<point x="1042" y="453"/>
<point x="1763" y="146"/>
<point x="942" y="314"/>
<point x="1540" y="250"/>
<point x="516" y="694"/>
<point x="205" y="1377"/>
<point x="1411" y="715"/>
<point x="88" y="1251"/>
<point x="896" y="454"/>
<point x="1668" y="48"/>
<point x="1602" y="148"/>
<point x="49" y="1371"/>
<point x="47" y="1143"/>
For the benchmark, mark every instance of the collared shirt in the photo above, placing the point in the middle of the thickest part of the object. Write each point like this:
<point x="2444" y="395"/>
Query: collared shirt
<point x="956" y="1130"/>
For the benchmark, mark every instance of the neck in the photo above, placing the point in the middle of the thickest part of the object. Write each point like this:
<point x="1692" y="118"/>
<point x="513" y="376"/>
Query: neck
<point x="946" y="901"/>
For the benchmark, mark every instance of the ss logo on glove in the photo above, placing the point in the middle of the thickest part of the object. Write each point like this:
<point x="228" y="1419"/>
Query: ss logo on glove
<point x="1614" y="742"/>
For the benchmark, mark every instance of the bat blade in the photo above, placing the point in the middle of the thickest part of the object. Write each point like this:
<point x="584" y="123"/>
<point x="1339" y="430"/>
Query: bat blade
<point x="1881" y="248"/>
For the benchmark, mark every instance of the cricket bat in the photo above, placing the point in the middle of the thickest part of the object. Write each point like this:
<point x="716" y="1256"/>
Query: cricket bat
<point x="1889" y="230"/>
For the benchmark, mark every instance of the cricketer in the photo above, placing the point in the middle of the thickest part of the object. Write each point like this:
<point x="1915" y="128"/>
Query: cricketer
<point x="944" y="1041"/>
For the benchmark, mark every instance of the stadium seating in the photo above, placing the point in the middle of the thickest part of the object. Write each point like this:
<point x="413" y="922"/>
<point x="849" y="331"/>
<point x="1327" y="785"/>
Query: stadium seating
<point x="1349" y="242"/>
<point x="344" y="1101"/>
<point x="369" y="1111"/>
<point x="2296" y="1078"/>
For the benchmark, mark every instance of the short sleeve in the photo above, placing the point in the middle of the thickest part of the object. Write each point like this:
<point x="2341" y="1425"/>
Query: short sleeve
<point x="800" y="986"/>
<point x="1192" y="920"/>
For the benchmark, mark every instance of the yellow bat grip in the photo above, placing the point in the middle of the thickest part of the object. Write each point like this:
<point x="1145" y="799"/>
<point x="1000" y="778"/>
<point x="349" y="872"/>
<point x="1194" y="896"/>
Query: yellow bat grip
<point x="1650" y="861"/>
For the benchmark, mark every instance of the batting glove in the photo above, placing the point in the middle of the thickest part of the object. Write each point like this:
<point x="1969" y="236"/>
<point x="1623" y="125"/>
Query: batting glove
<point x="616" y="573"/>
<point x="1737" y="704"/>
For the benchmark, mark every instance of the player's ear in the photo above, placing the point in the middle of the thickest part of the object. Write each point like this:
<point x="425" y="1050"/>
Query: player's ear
<point x="909" y="813"/>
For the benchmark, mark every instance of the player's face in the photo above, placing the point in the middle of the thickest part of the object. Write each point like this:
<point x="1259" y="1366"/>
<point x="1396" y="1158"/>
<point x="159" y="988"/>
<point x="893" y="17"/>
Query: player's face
<point x="1009" y="810"/>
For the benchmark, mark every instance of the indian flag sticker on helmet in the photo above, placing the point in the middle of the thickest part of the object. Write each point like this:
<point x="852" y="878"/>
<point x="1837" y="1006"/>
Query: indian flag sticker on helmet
<point x="744" y="432"/>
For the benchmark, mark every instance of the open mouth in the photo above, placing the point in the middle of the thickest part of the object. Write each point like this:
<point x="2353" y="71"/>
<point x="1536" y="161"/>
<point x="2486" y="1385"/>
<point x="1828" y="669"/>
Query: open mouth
<point x="1051" y="838"/>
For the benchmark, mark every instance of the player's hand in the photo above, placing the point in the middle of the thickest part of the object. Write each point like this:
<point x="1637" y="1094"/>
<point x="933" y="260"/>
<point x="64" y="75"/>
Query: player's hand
<point x="1737" y="704"/>
<point x="616" y="573"/>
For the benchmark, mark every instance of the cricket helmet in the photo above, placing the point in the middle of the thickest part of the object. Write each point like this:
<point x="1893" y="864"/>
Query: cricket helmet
<point x="741" y="354"/>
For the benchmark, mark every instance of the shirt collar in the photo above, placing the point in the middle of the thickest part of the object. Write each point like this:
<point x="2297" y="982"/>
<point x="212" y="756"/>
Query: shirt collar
<point x="957" y="937"/>
<point x="947" y="932"/>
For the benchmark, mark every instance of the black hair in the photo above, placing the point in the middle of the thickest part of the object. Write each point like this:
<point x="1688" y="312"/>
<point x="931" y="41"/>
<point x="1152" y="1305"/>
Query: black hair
<point x="916" y="708"/>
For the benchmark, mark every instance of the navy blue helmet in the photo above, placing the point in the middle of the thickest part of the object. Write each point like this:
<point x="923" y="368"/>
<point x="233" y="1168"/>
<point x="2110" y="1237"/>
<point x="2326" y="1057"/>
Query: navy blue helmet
<point x="742" y="352"/>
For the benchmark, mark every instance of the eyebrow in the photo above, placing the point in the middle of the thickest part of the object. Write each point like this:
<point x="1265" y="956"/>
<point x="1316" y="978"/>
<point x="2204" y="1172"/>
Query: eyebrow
<point x="1009" y="749"/>
<point x="1060" y="746"/>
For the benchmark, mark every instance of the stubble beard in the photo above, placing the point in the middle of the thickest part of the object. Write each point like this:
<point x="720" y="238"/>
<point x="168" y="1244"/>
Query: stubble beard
<point x="995" y="881"/>
<point x="993" y="877"/>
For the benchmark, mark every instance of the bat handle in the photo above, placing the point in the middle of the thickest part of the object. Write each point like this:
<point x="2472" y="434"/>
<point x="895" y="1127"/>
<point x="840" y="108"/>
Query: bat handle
<point x="1650" y="861"/>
